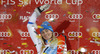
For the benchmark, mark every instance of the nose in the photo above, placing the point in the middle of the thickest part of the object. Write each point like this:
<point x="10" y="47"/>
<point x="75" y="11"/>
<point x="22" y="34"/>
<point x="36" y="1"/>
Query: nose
<point x="45" y="33"/>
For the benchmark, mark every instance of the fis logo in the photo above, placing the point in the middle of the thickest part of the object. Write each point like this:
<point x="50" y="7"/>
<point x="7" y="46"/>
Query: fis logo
<point x="26" y="51"/>
<point x="49" y="16"/>
<point x="5" y="34"/>
<point x="24" y="17"/>
<point x="5" y="17"/>
<point x="96" y="34"/>
<point x="74" y="34"/>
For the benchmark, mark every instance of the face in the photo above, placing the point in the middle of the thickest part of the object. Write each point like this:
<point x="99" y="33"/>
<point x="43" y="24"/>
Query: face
<point x="46" y="34"/>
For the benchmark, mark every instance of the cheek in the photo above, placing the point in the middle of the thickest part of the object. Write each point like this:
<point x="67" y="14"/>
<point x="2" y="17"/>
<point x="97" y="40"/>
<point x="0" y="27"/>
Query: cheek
<point x="50" y="34"/>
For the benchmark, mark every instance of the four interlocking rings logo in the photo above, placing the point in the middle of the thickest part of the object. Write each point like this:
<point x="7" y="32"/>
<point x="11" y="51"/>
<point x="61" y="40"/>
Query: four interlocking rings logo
<point x="54" y="16"/>
<point x="75" y="16"/>
<point x="74" y="34"/>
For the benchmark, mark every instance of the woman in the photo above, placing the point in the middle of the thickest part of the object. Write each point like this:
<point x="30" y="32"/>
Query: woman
<point x="47" y="43"/>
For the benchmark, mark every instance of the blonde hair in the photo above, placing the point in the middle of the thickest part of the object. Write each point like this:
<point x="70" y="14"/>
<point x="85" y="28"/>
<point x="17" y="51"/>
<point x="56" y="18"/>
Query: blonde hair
<point x="52" y="42"/>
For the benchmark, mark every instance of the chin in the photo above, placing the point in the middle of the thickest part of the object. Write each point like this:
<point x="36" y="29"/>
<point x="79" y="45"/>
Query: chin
<point x="47" y="39"/>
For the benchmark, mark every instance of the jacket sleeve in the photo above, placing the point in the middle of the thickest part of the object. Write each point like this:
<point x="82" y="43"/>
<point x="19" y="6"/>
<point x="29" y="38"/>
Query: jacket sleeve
<point x="32" y="31"/>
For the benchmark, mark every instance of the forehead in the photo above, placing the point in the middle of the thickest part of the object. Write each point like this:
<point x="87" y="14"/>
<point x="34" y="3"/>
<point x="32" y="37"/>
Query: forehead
<point x="45" y="30"/>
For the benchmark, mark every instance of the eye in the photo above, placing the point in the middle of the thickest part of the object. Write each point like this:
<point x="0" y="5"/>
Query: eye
<point x="42" y="32"/>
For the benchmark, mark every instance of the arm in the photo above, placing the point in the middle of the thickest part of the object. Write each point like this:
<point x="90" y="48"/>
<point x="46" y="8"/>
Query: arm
<point x="32" y="25"/>
<point x="31" y="30"/>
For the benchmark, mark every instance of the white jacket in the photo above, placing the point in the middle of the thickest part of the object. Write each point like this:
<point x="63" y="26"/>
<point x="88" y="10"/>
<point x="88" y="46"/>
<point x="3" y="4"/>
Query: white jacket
<point x="32" y="32"/>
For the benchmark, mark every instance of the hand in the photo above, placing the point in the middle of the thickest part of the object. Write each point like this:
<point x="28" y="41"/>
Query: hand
<point x="44" y="7"/>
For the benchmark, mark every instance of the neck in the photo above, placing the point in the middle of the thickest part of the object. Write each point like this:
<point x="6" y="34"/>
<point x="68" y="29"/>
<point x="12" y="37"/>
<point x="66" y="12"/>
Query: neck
<point x="47" y="41"/>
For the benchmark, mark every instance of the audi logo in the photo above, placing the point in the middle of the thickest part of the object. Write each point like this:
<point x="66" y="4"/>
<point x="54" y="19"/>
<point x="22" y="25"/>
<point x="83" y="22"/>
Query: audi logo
<point x="48" y="16"/>
<point x="75" y="16"/>
<point x="4" y="51"/>
<point x="5" y="16"/>
<point x="96" y="16"/>
<point x="5" y="34"/>
<point x="74" y="34"/>
<point x="26" y="51"/>
<point x="25" y="34"/>
<point x="96" y="34"/>
<point x="95" y="51"/>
